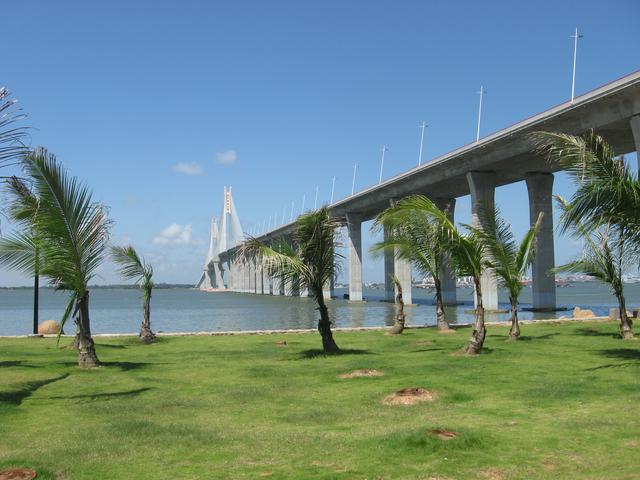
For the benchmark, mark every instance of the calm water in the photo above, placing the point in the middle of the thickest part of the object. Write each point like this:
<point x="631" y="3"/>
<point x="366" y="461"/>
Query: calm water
<point x="181" y="310"/>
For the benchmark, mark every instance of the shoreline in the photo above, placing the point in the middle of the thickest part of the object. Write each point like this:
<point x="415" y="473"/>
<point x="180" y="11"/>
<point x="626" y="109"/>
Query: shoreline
<point x="314" y="330"/>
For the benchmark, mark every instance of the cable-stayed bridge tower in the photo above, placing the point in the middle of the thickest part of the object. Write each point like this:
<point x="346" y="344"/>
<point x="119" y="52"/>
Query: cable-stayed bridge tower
<point x="229" y="236"/>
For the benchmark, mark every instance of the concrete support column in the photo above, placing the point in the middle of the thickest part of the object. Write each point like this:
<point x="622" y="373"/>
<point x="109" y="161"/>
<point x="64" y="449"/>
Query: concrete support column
<point x="540" y="187"/>
<point x="402" y="270"/>
<point x="389" y="287"/>
<point x="354" y="227"/>
<point x="327" y="291"/>
<point x="287" y="287"/>
<point x="229" y="276"/>
<point x="483" y="186"/>
<point x="635" y="128"/>
<point x="449" y="278"/>
<point x="277" y="284"/>
<point x="217" y="275"/>
<point x="252" y="277"/>
<point x="264" y="274"/>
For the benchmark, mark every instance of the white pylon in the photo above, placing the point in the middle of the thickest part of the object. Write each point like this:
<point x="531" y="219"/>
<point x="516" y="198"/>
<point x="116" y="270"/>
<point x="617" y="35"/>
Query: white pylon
<point x="333" y="189"/>
<point x="481" y="92"/>
<point x="384" y="150"/>
<point x="353" y="182"/>
<point x="423" y="125"/>
<point x="575" y="37"/>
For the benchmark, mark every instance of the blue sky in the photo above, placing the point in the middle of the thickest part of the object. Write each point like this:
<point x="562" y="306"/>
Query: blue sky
<point x="158" y="105"/>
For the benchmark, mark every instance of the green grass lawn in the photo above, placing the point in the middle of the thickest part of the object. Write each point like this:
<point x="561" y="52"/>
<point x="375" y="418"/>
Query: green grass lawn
<point x="562" y="403"/>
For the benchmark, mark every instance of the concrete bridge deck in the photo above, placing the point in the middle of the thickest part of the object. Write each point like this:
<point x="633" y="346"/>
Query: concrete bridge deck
<point x="504" y="157"/>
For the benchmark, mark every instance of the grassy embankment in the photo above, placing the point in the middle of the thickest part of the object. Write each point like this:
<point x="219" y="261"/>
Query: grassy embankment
<point x="562" y="403"/>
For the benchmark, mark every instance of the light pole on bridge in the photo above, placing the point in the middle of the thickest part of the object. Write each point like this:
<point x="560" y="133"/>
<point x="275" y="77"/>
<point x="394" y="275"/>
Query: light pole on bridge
<point x="575" y="37"/>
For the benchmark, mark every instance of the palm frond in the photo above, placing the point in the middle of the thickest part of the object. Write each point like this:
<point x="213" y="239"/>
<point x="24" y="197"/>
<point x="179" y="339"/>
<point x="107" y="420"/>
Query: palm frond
<point x="73" y="228"/>
<point x="19" y="251"/>
<point x="130" y="265"/>
<point x="607" y="191"/>
<point x="12" y="144"/>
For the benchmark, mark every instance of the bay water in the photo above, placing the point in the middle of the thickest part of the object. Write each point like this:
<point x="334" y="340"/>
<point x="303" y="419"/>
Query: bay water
<point x="118" y="310"/>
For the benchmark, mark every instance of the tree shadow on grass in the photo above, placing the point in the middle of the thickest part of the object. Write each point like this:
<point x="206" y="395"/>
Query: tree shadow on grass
<point x="421" y="350"/>
<point x="316" y="352"/>
<point x="124" y="366"/>
<point x="592" y="332"/>
<point x="109" y="345"/>
<point x="104" y="396"/>
<point x="529" y="338"/>
<point x="15" y="363"/>
<point x="621" y="354"/>
<point x="16" y="397"/>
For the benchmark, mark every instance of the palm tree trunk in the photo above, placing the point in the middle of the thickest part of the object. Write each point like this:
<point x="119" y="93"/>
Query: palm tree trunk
<point x="324" y="325"/>
<point x="514" y="332"/>
<point x="398" y="327"/>
<point x="87" y="357"/>
<point x="146" y="335"/>
<point x="626" y="329"/>
<point x="440" y="316"/>
<point x="474" y="347"/>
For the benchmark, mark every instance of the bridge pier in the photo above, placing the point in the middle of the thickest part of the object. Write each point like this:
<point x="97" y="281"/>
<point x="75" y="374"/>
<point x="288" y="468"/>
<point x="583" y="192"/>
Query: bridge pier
<point x="287" y="287"/>
<point x="483" y="186"/>
<point x="354" y="227"/>
<point x="540" y="188"/>
<point x="448" y="275"/>
<point x="635" y="129"/>
<point x="277" y="284"/>
<point x="327" y="291"/>
<point x="264" y="276"/>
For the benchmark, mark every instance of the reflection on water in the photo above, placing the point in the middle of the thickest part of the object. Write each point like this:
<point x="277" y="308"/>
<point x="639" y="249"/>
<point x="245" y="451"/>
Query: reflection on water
<point x="181" y="310"/>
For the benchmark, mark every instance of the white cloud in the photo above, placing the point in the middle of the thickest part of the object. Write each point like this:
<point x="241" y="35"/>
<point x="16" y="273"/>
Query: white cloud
<point x="188" y="168"/>
<point x="227" y="157"/>
<point x="174" y="234"/>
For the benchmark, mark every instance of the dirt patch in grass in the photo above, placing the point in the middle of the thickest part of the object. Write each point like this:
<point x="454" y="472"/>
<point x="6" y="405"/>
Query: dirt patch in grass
<point x="447" y="331"/>
<point x="18" y="474"/>
<point x="493" y="474"/>
<point x="443" y="434"/>
<point x="368" y="372"/>
<point x="424" y="342"/>
<point x="410" y="396"/>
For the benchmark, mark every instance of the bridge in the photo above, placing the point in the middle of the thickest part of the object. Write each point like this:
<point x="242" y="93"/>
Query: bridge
<point x="476" y="169"/>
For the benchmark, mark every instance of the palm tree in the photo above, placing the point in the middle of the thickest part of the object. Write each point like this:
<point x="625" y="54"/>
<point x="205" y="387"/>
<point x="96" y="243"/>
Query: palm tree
<point x="418" y="237"/>
<point x="604" y="210"/>
<point x="72" y="231"/>
<point x="132" y="266"/>
<point x="467" y="255"/>
<point x="508" y="260"/>
<point x="11" y="144"/>
<point x="310" y="259"/>
<point x="398" y="326"/>
<point x="607" y="191"/>
<point x="22" y="208"/>
<point x="606" y="256"/>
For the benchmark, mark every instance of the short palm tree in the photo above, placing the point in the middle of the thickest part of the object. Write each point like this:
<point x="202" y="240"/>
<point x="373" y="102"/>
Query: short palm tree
<point x="311" y="258"/>
<point x="72" y="231"/>
<point x="469" y="260"/>
<point x="133" y="267"/>
<point x="604" y="210"/>
<point x="606" y="255"/>
<point x="398" y="326"/>
<point x="508" y="260"/>
<point x="416" y="235"/>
